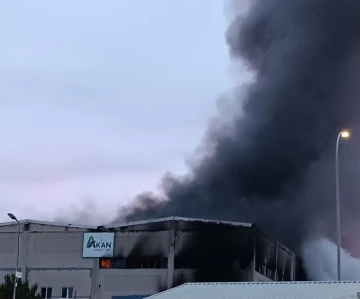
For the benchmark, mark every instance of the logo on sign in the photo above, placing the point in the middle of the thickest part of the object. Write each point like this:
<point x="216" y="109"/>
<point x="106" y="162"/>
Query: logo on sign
<point x="92" y="243"/>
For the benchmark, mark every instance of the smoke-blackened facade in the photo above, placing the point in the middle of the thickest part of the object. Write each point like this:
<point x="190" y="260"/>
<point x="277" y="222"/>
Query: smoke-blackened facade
<point x="149" y="256"/>
<point x="272" y="161"/>
<point x="190" y="250"/>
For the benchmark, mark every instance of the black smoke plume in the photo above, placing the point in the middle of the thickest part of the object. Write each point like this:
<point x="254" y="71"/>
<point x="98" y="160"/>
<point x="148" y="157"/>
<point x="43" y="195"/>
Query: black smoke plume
<point x="273" y="165"/>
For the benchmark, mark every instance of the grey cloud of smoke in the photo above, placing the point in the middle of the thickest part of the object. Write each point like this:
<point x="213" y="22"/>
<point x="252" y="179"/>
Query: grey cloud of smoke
<point x="85" y="213"/>
<point x="273" y="163"/>
<point x="320" y="261"/>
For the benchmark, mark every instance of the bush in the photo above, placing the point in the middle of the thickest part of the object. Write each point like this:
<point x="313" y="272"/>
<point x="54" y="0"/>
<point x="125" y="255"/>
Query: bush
<point x="24" y="289"/>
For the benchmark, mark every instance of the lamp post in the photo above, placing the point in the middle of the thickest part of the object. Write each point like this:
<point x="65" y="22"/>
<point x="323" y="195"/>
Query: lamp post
<point x="342" y="135"/>
<point x="12" y="216"/>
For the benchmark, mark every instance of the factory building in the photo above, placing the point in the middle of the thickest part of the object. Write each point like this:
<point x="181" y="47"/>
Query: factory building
<point x="139" y="258"/>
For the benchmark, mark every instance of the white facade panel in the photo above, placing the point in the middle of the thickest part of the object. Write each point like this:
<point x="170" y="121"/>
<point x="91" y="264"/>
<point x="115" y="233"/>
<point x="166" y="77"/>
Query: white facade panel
<point x="131" y="282"/>
<point x="79" y="280"/>
<point x="147" y="259"/>
<point x="56" y="249"/>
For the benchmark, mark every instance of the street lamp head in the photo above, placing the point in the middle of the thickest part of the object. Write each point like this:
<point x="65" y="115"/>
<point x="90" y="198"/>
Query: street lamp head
<point x="345" y="134"/>
<point x="12" y="216"/>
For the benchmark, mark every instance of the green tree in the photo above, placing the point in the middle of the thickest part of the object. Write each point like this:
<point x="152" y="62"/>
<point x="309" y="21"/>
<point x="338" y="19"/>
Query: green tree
<point x="24" y="289"/>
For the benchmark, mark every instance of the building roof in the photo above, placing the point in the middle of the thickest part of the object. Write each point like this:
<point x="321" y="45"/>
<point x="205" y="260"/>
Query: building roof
<point x="261" y="290"/>
<point x="49" y="223"/>
<point x="126" y="224"/>
<point x="174" y="218"/>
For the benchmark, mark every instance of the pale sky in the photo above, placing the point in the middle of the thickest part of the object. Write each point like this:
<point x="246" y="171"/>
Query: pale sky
<point x="100" y="98"/>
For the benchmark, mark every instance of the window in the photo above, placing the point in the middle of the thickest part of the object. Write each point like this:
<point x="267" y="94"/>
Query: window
<point x="46" y="293"/>
<point x="106" y="263"/>
<point x="67" y="292"/>
<point x="189" y="263"/>
<point x="146" y="263"/>
<point x="133" y="263"/>
<point x="119" y="263"/>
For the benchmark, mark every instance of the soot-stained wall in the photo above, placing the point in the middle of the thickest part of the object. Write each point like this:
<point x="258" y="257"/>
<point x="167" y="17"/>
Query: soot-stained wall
<point x="141" y="250"/>
<point x="199" y="251"/>
<point x="215" y="253"/>
<point x="273" y="260"/>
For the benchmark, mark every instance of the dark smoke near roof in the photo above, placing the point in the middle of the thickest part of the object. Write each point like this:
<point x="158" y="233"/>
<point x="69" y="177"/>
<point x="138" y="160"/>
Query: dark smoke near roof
<point x="274" y="165"/>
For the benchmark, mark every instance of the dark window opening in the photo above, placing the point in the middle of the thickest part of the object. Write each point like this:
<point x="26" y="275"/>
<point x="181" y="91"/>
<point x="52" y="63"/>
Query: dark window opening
<point x="119" y="263"/>
<point x="219" y="262"/>
<point x="67" y="292"/>
<point x="151" y="263"/>
<point x="46" y="293"/>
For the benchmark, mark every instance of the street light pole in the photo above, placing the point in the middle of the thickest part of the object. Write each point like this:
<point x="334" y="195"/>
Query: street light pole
<point x="342" y="135"/>
<point x="12" y="216"/>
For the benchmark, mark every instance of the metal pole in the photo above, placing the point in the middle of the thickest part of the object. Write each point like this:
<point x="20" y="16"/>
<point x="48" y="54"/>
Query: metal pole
<point x="338" y="212"/>
<point x="17" y="259"/>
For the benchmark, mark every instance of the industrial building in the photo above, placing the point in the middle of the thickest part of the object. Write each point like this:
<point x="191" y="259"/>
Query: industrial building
<point x="139" y="258"/>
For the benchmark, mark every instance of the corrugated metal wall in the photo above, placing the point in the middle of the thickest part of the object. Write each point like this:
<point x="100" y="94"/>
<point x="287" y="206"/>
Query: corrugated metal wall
<point x="129" y="297"/>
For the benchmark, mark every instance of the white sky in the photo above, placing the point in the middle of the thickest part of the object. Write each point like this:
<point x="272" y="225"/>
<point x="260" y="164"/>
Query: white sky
<point x="100" y="98"/>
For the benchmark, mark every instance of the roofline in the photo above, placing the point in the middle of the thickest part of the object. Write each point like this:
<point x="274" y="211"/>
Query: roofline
<point x="49" y="223"/>
<point x="125" y="224"/>
<point x="271" y="282"/>
<point x="175" y="218"/>
<point x="169" y="291"/>
<point x="252" y="283"/>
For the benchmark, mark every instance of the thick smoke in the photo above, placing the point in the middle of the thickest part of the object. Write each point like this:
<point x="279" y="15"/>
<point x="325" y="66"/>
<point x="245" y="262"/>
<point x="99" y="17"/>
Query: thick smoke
<point x="274" y="164"/>
<point x="320" y="261"/>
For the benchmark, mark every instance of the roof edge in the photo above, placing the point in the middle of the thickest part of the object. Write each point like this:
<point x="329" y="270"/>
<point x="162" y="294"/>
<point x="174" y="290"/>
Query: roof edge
<point x="49" y="223"/>
<point x="176" y="218"/>
<point x="272" y="282"/>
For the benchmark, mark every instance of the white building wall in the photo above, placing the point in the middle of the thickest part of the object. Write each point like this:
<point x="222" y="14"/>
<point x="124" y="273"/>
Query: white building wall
<point x="54" y="259"/>
<point x="56" y="249"/>
<point x="148" y="243"/>
<point x="130" y="282"/>
<point x="51" y="255"/>
<point x="258" y="277"/>
<point x="8" y="249"/>
<point x="126" y="282"/>
<point x="80" y="280"/>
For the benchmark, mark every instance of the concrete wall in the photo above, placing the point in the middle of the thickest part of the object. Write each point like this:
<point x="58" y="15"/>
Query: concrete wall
<point x="80" y="280"/>
<point x="258" y="277"/>
<point x="51" y="256"/>
<point x="8" y="248"/>
<point x="55" y="250"/>
<point x="131" y="282"/>
<point x="136" y="245"/>
<point x="142" y="243"/>
<point x="54" y="259"/>
<point x="273" y="260"/>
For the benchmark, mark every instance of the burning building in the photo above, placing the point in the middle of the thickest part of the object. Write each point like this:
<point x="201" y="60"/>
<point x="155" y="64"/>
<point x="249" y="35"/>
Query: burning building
<point x="271" y="160"/>
<point x="140" y="258"/>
